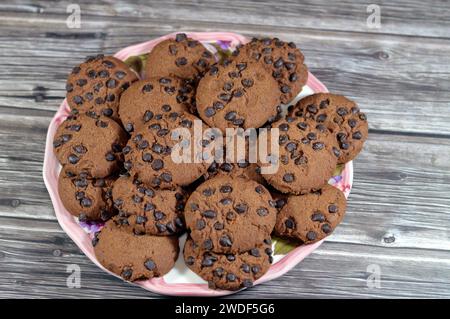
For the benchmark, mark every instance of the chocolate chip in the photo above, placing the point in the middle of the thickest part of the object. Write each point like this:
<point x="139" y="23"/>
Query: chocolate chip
<point x="289" y="223"/>
<point x="317" y="217"/>
<point x="317" y="146"/>
<point x="102" y="74"/>
<point x="291" y="146"/>
<point x="141" y="219"/>
<point x="342" y="111"/>
<point x="86" y="202"/>
<point x="218" y="105"/>
<point x="357" y="135"/>
<point x="209" y="112"/>
<point x="336" y="152"/>
<point x="230" y="116"/>
<point x="225" y="201"/>
<point x="127" y="273"/>
<point x="69" y="87"/>
<point x="78" y="99"/>
<point x="149" y="207"/>
<point x="284" y="127"/>
<point x="200" y="224"/>
<point x="73" y="159"/>
<point x="207" y="244"/>
<point x="161" y="228"/>
<point x="209" y="214"/>
<point x="218" y="226"/>
<point x="158" y="215"/>
<point x="213" y="70"/>
<point x="231" y="277"/>
<point x="245" y="268"/>
<point x="262" y="211"/>
<point x="76" y="70"/>
<point x="181" y="61"/>
<point x="255" y="269"/>
<point x="259" y="189"/>
<point x="247" y="83"/>
<point x="166" y="177"/>
<point x="226" y="189"/>
<point x="241" y="208"/>
<point x="111" y="83"/>
<point x="157" y="164"/>
<point x="225" y="241"/>
<point x="247" y="283"/>
<point x="173" y="49"/>
<point x="293" y="77"/>
<point x="180" y="37"/>
<point x="254" y="252"/>
<point x="129" y="127"/>
<point x="326" y="228"/>
<point x="147" y="88"/>
<point x="157" y="148"/>
<point x="288" y="177"/>
<point x="110" y="157"/>
<point x="190" y="260"/>
<point x="311" y="235"/>
<point x="149" y="264"/>
<point x="332" y="208"/>
<point x="108" y="64"/>
<point x="285" y="89"/>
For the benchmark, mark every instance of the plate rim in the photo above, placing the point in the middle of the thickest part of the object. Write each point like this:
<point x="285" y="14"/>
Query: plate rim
<point x="82" y="239"/>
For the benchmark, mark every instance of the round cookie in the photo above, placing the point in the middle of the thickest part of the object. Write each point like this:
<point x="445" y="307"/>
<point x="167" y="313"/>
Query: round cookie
<point x="97" y="84"/>
<point x="146" y="98"/>
<point x="313" y="216"/>
<point x="150" y="211"/>
<point x="237" y="94"/>
<point x="229" y="271"/>
<point x="134" y="257"/>
<point x="88" y="144"/>
<point x="283" y="60"/>
<point x="181" y="57"/>
<point x="148" y="154"/>
<point x="226" y="214"/>
<point x="88" y="199"/>
<point x="340" y="115"/>
<point x="306" y="158"/>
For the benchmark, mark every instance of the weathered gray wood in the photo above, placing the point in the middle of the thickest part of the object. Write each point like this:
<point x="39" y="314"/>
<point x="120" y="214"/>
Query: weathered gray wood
<point x="399" y="210"/>
<point x="404" y="17"/>
<point x="336" y="269"/>
<point x="401" y="87"/>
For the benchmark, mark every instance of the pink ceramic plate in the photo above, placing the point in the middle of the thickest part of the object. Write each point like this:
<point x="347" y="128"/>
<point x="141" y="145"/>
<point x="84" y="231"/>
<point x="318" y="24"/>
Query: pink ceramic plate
<point x="179" y="283"/>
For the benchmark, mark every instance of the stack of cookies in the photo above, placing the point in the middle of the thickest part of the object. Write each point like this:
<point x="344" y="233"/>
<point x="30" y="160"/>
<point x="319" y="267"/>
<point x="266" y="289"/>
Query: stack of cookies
<point x="116" y="150"/>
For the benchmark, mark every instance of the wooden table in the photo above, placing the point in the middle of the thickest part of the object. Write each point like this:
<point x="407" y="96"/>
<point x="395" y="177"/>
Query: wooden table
<point x="398" y="217"/>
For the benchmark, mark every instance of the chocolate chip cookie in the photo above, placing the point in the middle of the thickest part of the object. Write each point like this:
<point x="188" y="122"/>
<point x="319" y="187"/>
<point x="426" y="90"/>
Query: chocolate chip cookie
<point x="307" y="155"/>
<point x="147" y="98"/>
<point x="148" y="154"/>
<point x="283" y="60"/>
<point x="237" y="94"/>
<point x="97" y="84"/>
<point x="181" y="57"/>
<point x="150" y="211"/>
<point x="89" y="144"/>
<point x="229" y="271"/>
<point x="226" y="214"/>
<point x="313" y="216"/>
<point x="86" y="198"/>
<point x="134" y="257"/>
<point x="342" y="116"/>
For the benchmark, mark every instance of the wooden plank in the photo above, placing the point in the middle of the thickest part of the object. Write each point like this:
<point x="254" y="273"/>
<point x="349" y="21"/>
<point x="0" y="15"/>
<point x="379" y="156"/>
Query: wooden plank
<point x="333" y="270"/>
<point x="400" y="17"/>
<point x="392" y="192"/>
<point x="401" y="88"/>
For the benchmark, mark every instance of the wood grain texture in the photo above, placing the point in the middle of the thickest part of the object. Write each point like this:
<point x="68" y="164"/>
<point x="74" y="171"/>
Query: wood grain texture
<point x="399" y="209"/>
